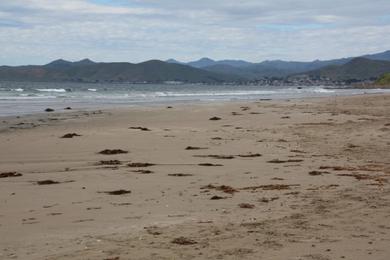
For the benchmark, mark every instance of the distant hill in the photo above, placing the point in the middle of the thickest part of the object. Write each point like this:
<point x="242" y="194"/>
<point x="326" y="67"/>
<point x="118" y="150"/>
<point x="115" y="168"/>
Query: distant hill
<point x="174" y="61"/>
<point x="271" y="68"/>
<point x="356" y="69"/>
<point x="206" y="62"/>
<point x="378" y="56"/>
<point x="231" y="70"/>
<point x="153" y="71"/>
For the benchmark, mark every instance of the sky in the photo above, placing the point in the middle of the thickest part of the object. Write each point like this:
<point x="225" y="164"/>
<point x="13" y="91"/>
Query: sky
<point x="39" y="31"/>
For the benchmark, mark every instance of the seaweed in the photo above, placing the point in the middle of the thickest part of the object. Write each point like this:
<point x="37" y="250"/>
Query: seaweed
<point x="117" y="192"/>
<point x="70" y="135"/>
<point x="10" y="174"/>
<point x="183" y="241"/>
<point x="140" y="165"/>
<point x="113" y="151"/>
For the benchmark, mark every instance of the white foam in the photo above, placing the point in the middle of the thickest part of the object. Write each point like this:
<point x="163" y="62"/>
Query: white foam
<point x="59" y="90"/>
<point x="322" y="90"/>
<point x="27" y="97"/>
<point x="214" y="93"/>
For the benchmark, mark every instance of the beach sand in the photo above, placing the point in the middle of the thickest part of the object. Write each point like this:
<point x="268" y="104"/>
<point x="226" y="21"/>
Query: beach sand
<point x="292" y="179"/>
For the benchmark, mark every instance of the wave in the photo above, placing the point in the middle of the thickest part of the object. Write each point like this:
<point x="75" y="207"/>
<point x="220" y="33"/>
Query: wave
<point x="322" y="90"/>
<point x="156" y="95"/>
<point x="59" y="90"/>
<point x="27" y="97"/>
<point x="214" y="93"/>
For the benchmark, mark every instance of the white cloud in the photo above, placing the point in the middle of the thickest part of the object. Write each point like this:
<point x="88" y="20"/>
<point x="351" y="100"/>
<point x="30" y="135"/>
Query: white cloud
<point x="79" y="6"/>
<point x="37" y="31"/>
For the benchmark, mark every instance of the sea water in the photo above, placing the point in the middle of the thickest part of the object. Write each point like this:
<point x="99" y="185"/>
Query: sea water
<point x="18" y="98"/>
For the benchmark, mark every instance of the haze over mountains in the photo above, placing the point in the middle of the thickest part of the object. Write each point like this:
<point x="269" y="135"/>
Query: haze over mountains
<point x="280" y="68"/>
<point x="204" y="70"/>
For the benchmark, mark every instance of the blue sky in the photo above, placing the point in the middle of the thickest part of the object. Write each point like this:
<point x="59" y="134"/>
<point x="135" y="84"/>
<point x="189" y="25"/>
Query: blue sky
<point x="38" y="31"/>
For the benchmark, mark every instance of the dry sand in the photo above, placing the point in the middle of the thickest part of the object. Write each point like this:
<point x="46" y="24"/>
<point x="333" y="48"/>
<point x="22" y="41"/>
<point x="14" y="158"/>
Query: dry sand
<point x="319" y="190"/>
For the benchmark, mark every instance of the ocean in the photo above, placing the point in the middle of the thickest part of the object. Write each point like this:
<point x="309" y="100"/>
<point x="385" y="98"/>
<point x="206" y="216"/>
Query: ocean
<point x="20" y="98"/>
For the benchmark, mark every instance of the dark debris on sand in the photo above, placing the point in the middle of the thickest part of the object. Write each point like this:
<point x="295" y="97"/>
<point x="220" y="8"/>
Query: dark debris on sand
<point x="140" y="128"/>
<point x="51" y="182"/>
<point x="216" y="156"/>
<point x="380" y="180"/>
<point x="140" y="165"/>
<point x="285" y="161"/>
<point x="209" y="164"/>
<point x="271" y="187"/>
<point x="368" y="168"/>
<point x="143" y="171"/>
<point x="70" y="135"/>
<point x="246" y="206"/>
<point x="117" y="192"/>
<point x="223" y="188"/>
<point x="47" y="182"/>
<point x="10" y="174"/>
<point x="229" y="157"/>
<point x="266" y="200"/>
<point x="113" y="151"/>
<point x="180" y="174"/>
<point x="153" y="230"/>
<point x="250" y="155"/>
<point x="318" y="173"/>
<point x="236" y="114"/>
<point x="183" y="241"/>
<point x="195" y="148"/>
<point x="297" y="151"/>
<point x="215" y="118"/>
<point x="110" y="162"/>
<point x="217" y="198"/>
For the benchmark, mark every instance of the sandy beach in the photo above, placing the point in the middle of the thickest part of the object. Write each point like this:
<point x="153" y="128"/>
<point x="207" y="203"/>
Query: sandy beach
<point x="291" y="179"/>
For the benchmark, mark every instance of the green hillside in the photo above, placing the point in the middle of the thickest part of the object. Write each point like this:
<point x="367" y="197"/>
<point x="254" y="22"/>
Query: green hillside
<point x="384" y="80"/>
<point x="356" y="69"/>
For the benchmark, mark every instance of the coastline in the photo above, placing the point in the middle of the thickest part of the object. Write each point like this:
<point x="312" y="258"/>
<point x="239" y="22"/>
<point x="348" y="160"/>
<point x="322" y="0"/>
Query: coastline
<point x="33" y="120"/>
<point x="34" y="99"/>
<point x="293" y="183"/>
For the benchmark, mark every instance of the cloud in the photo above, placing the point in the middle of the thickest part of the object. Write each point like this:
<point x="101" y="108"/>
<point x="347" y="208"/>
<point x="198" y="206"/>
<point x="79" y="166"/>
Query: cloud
<point x="37" y="31"/>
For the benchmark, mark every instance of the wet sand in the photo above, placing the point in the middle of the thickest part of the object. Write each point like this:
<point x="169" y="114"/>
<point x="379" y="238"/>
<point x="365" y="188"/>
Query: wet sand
<point x="293" y="179"/>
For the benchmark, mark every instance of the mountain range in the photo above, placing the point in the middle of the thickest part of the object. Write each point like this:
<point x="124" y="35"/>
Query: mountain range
<point x="205" y="70"/>
<point x="274" y="68"/>
<point x="153" y="71"/>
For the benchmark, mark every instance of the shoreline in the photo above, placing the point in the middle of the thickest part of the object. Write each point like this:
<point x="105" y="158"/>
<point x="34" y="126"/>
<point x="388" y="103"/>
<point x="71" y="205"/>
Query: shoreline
<point x="160" y="96"/>
<point x="277" y="179"/>
<point x="182" y="102"/>
<point x="75" y="113"/>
